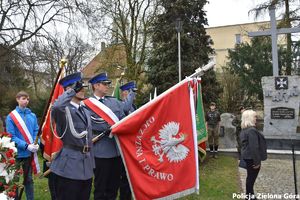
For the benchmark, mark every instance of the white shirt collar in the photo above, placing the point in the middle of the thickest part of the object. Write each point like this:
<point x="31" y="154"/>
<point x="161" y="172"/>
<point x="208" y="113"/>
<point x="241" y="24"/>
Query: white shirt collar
<point x="98" y="98"/>
<point x="75" y="104"/>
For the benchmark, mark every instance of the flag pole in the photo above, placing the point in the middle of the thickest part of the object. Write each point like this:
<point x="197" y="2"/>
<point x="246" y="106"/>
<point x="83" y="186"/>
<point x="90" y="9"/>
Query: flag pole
<point x="118" y="85"/>
<point x="201" y="70"/>
<point x="62" y="64"/>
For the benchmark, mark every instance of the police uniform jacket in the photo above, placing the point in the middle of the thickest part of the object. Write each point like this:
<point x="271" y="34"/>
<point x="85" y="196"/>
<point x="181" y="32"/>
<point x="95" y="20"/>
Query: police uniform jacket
<point x="127" y="104"/>
<point x="71" y="163"/>
<point x="131" y="110"/>
<point x="129" y="107"/>
<point x="107" y="147"/>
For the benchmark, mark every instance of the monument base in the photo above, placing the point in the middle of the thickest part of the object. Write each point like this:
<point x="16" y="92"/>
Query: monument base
<point x="283" y="144"/>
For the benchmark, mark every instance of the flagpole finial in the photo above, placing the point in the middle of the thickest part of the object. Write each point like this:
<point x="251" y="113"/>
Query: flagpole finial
<point x="63" y="62"/>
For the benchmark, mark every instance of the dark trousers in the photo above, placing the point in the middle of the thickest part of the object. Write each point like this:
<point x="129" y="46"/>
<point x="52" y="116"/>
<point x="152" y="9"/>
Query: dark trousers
<point x="66" y="188"/>
<point x="27" y="177"/>
<point x="51" y="185"/>
<point x="250" y="180"/>
<point x="51" y="181"/>
<point x="125" y="192"/>
<point x="107" y="178"/>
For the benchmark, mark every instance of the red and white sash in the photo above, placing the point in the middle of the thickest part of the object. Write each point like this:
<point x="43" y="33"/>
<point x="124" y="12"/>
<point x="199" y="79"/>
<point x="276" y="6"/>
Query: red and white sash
<point x="101" y="110"/>
<point x="19" y="122"/>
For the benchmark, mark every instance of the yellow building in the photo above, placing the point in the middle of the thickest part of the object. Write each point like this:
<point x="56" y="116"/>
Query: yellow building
<point x="226" y="37"/>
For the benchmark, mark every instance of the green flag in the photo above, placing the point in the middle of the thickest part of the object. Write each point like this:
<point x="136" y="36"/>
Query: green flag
<point x="116" y="92"/>
<point x="201" y="127"/>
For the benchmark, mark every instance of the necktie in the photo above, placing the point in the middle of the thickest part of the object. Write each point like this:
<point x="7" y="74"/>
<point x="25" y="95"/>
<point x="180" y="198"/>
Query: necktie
<point x="82" y="112"/>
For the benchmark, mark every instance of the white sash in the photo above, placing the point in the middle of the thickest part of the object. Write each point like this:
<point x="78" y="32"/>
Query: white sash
<point x="101" y="110"/>
<point x="19" y="122"/>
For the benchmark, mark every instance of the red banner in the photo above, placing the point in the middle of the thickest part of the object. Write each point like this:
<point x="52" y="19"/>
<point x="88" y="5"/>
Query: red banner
<point x="52" y="144"/>
<point x="158" y="144"/>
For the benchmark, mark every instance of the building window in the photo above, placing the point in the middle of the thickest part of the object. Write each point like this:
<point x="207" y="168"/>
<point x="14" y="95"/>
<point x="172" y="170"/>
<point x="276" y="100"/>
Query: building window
<point x="238" y="39"/>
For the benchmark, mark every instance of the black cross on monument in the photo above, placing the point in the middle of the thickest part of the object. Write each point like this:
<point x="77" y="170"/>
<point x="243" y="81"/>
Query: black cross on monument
<point x="274" y="32"/>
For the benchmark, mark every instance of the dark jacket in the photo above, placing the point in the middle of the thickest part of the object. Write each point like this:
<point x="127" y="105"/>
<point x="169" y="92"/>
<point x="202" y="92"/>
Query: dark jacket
<point x="254" y="145"/>
<point x="212" y="118"/>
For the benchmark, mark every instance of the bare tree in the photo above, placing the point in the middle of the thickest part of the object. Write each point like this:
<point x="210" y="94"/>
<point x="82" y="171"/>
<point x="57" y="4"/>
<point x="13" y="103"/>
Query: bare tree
<point x="128" y="23"/>
<point x="41" y="59"/>
<point x="28" y="43"/>
<point x="23" y="19"/>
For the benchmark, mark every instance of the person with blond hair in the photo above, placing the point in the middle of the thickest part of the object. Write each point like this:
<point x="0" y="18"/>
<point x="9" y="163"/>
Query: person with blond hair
<point x="253" y="151"/>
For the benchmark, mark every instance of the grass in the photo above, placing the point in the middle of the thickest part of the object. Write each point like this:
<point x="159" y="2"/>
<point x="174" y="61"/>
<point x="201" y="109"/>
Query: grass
<point x="218" y="180"/>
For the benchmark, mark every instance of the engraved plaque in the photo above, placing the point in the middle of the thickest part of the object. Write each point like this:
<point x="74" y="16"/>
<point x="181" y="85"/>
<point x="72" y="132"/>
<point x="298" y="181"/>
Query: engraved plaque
<point x="282" y="113"/>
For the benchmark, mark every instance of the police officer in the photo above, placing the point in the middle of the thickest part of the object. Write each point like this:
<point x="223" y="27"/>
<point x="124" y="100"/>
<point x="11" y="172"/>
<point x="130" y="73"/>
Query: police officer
<point x="107" y="156"/>
<point x="125" y="192"/>
<point x="73" y="166"/>
<point x="213" y="119"/>
<point x="125" y="91"/>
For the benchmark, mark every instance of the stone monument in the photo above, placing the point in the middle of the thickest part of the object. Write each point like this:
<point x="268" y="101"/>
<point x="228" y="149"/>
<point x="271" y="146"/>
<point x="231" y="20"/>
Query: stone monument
<point x="281" y="110"/>
<point x="281" y="96"/>
<point x="227" y="137"/>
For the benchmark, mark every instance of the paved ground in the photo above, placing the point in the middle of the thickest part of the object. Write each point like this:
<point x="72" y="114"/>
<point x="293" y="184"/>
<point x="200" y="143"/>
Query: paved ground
<point x="275" y="179"/>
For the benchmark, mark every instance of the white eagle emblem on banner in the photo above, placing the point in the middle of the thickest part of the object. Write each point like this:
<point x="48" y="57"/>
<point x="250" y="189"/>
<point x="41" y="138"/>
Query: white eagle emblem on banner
<point x="169" y="144"/>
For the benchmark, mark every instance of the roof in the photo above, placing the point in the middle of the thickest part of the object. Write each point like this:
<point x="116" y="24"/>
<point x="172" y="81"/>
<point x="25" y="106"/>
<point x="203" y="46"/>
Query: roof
<point x="107" y="60"/>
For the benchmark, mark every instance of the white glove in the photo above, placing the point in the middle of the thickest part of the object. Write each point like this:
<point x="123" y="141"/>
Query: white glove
<point x="33" y="147"/>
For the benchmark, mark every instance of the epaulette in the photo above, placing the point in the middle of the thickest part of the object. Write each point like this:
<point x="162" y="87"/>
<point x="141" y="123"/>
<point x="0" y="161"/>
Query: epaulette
<point x="110" y="97"/>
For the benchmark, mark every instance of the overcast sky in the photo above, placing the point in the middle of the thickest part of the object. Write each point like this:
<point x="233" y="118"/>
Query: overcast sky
<point x="227" y="12"/>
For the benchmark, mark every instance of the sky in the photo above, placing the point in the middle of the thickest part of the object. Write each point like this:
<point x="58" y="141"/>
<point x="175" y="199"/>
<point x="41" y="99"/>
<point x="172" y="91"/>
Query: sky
<point x="228" y="12"/>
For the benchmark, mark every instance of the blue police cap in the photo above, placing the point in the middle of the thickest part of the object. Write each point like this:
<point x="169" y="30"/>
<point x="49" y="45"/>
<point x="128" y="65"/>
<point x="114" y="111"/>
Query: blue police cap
<point x="100" y="78"/>
<point x="70" y="79"/>
<point x="128" y="86"/>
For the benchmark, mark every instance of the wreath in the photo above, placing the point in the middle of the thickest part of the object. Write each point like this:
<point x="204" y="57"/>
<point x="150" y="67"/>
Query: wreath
<point x="9" y="170"/>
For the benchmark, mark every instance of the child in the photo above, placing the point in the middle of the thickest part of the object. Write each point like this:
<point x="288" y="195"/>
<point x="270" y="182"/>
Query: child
<point x="22" y="124"/>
